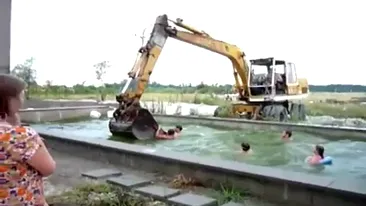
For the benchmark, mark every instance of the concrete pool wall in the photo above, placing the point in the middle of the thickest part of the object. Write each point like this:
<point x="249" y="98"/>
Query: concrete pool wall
<point x="59" y="113"/>
<point x="265" y="182"/>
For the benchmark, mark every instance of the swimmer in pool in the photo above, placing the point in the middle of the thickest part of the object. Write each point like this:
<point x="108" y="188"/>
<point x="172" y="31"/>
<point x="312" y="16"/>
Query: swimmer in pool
<point x="317" y="156"/>
<point x="171" y="134"/>
<point x="286" y="135"/>
<point x="245" y="148"/>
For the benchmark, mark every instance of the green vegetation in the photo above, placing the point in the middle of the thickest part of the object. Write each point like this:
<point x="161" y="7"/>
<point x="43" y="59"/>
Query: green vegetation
<point x="91" y="92"/>
<point x="231" y="194"/>
<point x="95" y="194"/>
<point x="346" y="110"/>
<point x="324" y="100"/>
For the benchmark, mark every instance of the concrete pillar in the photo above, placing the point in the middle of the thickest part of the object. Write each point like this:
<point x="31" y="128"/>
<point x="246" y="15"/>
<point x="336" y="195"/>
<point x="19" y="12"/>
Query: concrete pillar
<point x="5" y="17"/>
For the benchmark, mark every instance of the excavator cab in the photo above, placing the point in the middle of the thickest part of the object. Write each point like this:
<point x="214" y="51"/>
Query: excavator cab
<point x="270" y="78"/>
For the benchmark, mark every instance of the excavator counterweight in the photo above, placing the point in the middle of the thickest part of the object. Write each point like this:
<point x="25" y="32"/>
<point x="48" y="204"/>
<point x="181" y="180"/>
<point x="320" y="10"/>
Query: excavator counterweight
<point x="266" y="88"/>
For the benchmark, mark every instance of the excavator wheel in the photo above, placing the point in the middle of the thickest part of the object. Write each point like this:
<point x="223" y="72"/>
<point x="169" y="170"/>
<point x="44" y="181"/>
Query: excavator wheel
<point x="298" y="112"/>
<point x="217" y="111"/>
<point x="275" y="113"/>
<point x="224" y="111"/>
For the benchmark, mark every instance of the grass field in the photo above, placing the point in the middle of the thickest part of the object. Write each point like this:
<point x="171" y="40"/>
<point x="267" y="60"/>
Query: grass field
<point x="342" y="105"/>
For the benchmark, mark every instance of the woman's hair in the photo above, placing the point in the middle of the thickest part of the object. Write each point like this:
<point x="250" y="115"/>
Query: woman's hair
<point x="320" y="150"/>
<point x="245" y="146"/>
<point x="288" y="132"/>
<point x="10" y="86"/>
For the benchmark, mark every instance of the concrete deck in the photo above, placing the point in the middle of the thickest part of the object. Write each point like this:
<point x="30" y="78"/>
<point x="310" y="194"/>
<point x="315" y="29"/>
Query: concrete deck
<point x="59" y="113"/>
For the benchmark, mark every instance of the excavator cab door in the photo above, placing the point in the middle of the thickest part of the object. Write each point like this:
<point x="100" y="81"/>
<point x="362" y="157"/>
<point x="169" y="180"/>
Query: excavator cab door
<point x="291" y="79"/>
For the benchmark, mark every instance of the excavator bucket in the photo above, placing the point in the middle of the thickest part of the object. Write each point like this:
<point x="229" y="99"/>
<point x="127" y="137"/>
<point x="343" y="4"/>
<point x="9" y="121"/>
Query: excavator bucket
<point x="144" y="127"/>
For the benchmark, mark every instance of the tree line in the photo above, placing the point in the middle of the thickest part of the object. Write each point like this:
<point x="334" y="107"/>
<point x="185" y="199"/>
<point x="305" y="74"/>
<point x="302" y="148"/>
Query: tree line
<point x="155" y="87"/>
<point x="29" y="75"/>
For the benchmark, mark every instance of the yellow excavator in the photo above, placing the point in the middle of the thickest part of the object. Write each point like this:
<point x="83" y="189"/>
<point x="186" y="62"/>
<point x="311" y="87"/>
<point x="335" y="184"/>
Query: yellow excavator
<point x="266" y="88"/>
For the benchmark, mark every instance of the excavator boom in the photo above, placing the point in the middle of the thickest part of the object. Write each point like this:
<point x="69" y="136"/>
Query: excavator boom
<point x="161" y="31"/>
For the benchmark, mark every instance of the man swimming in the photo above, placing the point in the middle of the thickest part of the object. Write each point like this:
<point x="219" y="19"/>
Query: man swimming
<point x="286" y="135"/>
<point x="245" y="147"/>
<point x="171" y="134"/>
<point x="318" y="155"/>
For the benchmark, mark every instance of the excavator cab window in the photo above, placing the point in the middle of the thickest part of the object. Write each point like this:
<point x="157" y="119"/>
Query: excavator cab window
<point x="259" y="74"/>
<point x="291" y="75"/>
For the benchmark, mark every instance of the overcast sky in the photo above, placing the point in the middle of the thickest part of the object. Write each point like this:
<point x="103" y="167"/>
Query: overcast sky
<point x="325" y="39"/>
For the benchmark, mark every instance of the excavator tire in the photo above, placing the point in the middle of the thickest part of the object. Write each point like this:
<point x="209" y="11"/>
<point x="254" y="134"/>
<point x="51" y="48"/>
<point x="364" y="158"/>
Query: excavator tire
<point x="217" y="111"/>
<point x="298" y="112"/>
<point x="224" y="111"/>
<point x="143" y="127"/>
<point x="275" y="113"/>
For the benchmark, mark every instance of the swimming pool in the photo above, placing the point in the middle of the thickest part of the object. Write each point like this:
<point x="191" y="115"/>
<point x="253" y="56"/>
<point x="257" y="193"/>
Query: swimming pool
<point x="268" y="149"/>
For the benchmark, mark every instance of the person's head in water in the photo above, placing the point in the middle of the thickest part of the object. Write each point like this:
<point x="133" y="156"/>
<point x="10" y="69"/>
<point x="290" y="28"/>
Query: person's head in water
<point x="178" y="128"/>
<point x="286" y="134"/>
<point x="319" y="150"/>
<point x="245" y="147"/>
<point x="171" y="132"/>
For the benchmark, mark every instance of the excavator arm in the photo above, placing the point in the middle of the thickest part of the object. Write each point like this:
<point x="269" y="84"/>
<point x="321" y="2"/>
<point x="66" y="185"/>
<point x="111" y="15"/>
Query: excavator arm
<point x="144" y="66"/>
<point x="139" y="76"/>
<point x="150" y="53"/>
<point x="232" y="52"/>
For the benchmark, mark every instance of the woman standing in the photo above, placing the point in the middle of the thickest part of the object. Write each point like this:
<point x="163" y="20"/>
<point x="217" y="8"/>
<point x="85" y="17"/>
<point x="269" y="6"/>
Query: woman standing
<point x="24" y="159"/>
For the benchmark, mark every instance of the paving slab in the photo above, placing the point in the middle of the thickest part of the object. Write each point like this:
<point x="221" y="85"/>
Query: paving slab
<point x="233" y="204"/>
<point x="157" y="192"/>
<point x="101" y="173"/>
<point x="190" y="199"/>
<point x="129" y="181"/>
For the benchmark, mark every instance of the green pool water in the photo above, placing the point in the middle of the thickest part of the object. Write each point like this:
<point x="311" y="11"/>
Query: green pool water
<point x="268" y="150"/>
